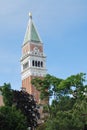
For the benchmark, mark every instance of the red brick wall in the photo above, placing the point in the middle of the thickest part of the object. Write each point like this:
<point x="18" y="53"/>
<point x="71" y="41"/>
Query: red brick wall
<point x="29" y="47"/>
<point x="26" y="84"/>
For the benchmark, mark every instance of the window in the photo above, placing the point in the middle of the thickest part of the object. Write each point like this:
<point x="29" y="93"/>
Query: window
<point x="41" y="64"/>
<point x="25" y="65"/>
<point x="38" y="63"/>
<point x="33" y="63"/>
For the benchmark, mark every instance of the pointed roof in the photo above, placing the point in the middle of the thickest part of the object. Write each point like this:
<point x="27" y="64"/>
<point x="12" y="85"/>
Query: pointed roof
<point x="31" y="32"/>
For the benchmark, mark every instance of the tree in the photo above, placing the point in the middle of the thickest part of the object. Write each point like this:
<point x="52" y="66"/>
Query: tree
<point x="68" y="110"/>
<point x="26" y="103"/>
<point x="52" y="86"/>
<point x="12" y="119"/>
<point x="64" y="120"/>
<point x="80" y="112"/>
<point x="22" y="101"/>
<point x="68" y="115"/>
<point x="7" y="94"/>
<point x="47" y="86"/>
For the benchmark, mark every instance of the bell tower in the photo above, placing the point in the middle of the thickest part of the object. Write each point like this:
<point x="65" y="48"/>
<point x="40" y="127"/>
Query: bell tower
<point x="33" y="60"/>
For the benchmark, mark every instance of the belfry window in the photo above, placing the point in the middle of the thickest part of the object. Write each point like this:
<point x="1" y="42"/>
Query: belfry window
<point x="33" y="63"/>
<point x="41" y="64"/>
<point x="25" y="65"/>
<point x="38" y="63"/>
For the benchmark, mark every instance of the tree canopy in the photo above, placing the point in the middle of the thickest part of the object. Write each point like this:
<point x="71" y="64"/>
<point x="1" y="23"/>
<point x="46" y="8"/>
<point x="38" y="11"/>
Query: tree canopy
<point x="23" y="102"/>
<point x="26" y="103"/>
<point x="12" y="119"/>
<point x="53" y="86"/>
<point x="68" y="110"/>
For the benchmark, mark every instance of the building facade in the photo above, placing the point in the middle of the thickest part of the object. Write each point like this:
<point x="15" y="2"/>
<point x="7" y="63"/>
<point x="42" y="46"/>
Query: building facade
<point x="33" y="59"/>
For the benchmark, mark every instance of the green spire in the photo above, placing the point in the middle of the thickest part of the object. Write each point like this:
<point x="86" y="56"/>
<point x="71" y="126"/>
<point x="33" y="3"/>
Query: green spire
<point x="31" y="32"/>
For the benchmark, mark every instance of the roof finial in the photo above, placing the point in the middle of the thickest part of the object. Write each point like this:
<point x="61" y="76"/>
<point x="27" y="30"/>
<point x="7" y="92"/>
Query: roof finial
<point x="30" y="15"/>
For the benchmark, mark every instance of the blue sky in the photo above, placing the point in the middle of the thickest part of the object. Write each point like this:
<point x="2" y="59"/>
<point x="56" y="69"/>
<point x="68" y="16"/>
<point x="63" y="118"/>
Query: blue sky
<point x="62" y="26"/>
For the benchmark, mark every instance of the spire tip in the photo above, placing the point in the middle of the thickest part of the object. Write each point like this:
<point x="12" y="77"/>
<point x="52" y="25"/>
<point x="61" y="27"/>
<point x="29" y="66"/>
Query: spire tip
<point x="30" y="15"/>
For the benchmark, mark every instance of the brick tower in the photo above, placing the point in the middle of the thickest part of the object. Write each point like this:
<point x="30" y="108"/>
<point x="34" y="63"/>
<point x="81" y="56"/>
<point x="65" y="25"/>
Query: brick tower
<point x="33" y="60"/>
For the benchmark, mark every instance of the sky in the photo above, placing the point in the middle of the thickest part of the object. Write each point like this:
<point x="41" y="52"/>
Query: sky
<point x="62" y="26"/>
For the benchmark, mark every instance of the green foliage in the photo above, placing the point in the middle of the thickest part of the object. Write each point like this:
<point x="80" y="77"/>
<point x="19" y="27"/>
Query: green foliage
<point x="68" y="110"/>
<point x="73" y="119"/>
<point x="7" y="94"/>
<point x="52" y="86"/>
<point x="47" y="86"/>
<point x="12" y="119"/>
<point x="63" y="121"/>
<point x="23" y="102"/>
<point x="26" y="103"/>
<point x="41" y="127"/>
<point x="74" y="81"/>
